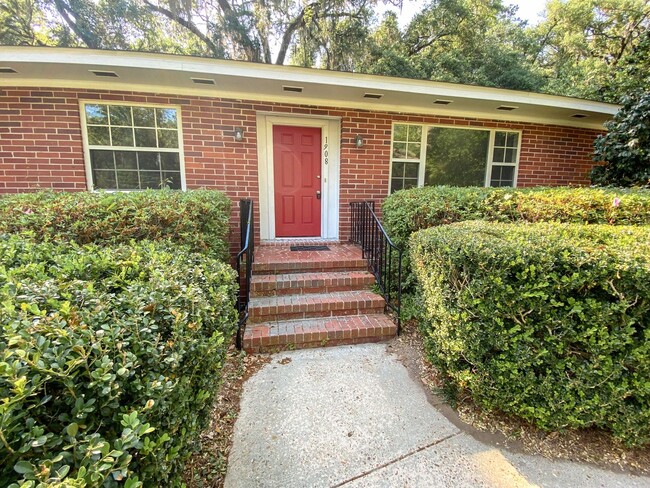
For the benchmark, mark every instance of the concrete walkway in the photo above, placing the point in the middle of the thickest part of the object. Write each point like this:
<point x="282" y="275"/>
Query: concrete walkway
<point x="351" y="416"/>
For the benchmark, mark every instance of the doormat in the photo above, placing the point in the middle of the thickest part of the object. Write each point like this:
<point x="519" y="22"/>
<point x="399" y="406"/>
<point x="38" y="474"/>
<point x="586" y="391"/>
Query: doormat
<point x="310" y="248"/>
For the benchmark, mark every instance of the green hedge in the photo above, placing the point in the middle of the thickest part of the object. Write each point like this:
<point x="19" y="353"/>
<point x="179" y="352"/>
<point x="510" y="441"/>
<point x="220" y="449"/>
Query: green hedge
<point x="197" y="218"/>
<point x="408" y="211"/>
<point x="109" y="356"/>
<point x="549" y="322"/>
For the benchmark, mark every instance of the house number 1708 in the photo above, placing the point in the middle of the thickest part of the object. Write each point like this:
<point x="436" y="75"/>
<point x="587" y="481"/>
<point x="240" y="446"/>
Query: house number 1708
<point x="326" y="152"/>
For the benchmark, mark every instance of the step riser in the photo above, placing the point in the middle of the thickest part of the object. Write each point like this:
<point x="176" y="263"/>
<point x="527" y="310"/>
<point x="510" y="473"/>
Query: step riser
<point x="268" y="348"/>
<point x="257" y="316"/>
<point x="312" y="283"/>
<point x="293" y="335"/>
<point x="308" y="267"/>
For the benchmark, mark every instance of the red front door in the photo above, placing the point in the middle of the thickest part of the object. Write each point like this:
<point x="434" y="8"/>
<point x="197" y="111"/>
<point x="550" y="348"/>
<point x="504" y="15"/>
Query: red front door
<point x="296" y="171"/>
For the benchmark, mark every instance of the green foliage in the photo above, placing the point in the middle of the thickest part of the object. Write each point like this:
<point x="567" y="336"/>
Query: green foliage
<point x="198" y="218"/>
<point x="549" y="322"/>
<point x="109" y="359"/>
<point x="625" y="148"/>
<point x="408" y="211"/>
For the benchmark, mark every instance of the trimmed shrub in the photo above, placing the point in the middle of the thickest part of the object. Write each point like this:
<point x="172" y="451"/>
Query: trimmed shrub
<point x="408" y="211"/>
<point x="197" y="218"/>
<point x="549" y="322"/>
<point x="110" y="357"/>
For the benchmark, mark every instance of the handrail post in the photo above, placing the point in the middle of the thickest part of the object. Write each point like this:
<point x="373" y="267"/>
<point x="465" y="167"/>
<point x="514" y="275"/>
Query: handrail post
<point x="247" y="254"/>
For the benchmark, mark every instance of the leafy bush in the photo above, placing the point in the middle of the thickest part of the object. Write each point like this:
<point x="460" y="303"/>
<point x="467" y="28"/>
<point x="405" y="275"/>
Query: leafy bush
<point x="197" y="218"/>
<point x="408" y="211"/>
<point x="109" y="357"/>
<point x="625" y="147"/>
<point x="549" y="322"/>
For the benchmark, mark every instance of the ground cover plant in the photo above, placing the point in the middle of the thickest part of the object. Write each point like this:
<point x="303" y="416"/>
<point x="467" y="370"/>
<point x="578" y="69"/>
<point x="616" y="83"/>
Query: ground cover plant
<point x="109" y="360"/>
<point x="197" y="218"/>
<point x="548" y="322"/>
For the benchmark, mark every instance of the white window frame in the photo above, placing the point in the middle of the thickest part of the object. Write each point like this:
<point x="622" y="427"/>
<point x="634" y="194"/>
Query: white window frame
<point x="423" y="151"/>
<point x="87" y="147"/>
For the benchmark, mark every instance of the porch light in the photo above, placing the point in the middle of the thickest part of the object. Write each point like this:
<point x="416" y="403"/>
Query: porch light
<point x="358" y="141"/>
<point x="239" y="134"/>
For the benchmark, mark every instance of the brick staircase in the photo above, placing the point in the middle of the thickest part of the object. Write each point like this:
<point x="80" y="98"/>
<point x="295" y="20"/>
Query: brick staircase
<point x="303" y="299"/>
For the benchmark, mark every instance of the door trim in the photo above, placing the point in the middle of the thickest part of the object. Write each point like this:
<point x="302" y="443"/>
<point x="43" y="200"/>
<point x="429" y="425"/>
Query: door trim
<point x="330" y="170"/>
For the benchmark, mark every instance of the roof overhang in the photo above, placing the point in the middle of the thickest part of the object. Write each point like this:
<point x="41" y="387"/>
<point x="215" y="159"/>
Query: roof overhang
<point x="171" y="74"/>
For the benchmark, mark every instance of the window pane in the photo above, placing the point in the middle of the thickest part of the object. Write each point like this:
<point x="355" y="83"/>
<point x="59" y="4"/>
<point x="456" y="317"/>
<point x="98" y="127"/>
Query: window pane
<point x="399" y="150"/>
<point x="149" y="160"/>
<point x="102" y="159"/>
<point x="98" y="136"/>
<point x="456" y="157"/>
<point x="513" y="139"/>
<point x="411" y="170"/>
<point x="122" y="136"/>
<point x="396" y="184"/>
<point x="415" y="133"/>
<point x="143" y="117"/>
<point x="410" y="183"/>
<point x="399" y="132"/>
<point x="413" y="151"/>
<point x="120" y="115"/>
<point x="166" y="117"/>
<point x="499" y="155"/>
<point x="167" y="138"/>
<point x="170" y="161"/>
<point x="96" y="114"/>
<point x="172" y="179"/>
<point x="502" y="176"/>
<point x="150" y="179"/>
<point x="500" y="139"/>
<point x="398" y="170"/>
<point x="125" y="160"/>
<point x="145" y="137"/>
<point x="127" y="180"/>
<point x="104" y="180"/>
<point x="511" y="155"/>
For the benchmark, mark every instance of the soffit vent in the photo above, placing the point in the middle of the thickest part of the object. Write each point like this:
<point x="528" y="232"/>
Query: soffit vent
<point x="203" y="81"/>
<point x="579" y="116"/>
<point x="104" y="74"/>
<point x="292" y="89"/>
<point x="507" y="108"/>
<point x="7" y="70"/>
<point x="373" y="96"/>
<point x="442" y="102"/>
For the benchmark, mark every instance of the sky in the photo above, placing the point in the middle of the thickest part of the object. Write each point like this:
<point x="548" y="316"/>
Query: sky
<point x="528" y="9"/>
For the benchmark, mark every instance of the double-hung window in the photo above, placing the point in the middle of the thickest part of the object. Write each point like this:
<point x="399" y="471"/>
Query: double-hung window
<point x="434" y="155"/>
<point x="132" y="147"/>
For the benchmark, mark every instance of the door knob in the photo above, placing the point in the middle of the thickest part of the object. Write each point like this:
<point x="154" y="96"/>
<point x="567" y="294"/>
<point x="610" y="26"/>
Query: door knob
<point x="318" y="195"/>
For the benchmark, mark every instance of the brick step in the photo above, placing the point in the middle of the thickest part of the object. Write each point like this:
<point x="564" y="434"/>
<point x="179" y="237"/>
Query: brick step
<point x="281" y="260"/>
<point x="319" y="332"/>
<point x="306" y="283"/>
<point x="288" y="307"/>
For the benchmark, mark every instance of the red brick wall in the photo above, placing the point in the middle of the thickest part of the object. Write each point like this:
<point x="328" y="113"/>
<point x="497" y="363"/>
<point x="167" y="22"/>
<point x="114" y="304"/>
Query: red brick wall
<point x="41" y="146"/>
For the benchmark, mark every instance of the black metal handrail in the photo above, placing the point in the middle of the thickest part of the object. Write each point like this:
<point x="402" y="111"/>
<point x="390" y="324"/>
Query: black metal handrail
<point x="245" y="259"/>
<point x="384" y="257"/>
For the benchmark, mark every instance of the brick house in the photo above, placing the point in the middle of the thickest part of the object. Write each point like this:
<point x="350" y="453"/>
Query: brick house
<point x="302" y="143"/>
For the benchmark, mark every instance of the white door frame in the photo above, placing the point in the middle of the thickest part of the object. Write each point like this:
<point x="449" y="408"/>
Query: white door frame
<point x="330" y="170"/>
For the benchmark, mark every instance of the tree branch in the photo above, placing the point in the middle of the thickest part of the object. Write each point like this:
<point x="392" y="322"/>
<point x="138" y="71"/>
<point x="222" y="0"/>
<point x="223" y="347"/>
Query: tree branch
<point x="88" y="40"/>
<point x="185" y="23"/>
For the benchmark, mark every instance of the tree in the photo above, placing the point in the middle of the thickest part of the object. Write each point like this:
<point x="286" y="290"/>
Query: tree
<point x="625" y="148"/>
<point x="582" y="45"/>
<point x="464" y="41"/>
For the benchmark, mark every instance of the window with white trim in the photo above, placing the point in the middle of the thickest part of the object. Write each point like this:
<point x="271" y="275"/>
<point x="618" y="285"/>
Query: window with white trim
<point x="438" y="155"/>
<point x="133" y="147"/>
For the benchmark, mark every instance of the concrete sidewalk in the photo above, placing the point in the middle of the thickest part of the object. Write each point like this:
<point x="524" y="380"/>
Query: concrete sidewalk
<point x="351" y="416"/>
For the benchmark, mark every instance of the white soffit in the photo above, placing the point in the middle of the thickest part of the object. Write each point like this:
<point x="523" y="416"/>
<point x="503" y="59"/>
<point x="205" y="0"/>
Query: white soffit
<point x="173" y="75"/>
